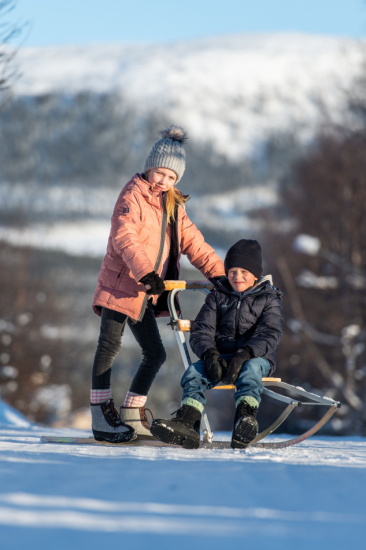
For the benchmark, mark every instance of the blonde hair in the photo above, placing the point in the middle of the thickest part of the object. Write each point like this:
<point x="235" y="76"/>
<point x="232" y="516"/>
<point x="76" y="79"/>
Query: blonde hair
<point x="173" y="198"/>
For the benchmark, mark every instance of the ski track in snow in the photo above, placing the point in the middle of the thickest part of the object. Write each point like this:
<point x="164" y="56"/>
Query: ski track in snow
<point x="311" y="495"/>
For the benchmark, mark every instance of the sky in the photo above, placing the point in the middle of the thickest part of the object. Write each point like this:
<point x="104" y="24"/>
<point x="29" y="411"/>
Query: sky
<point x="92" y="21"/>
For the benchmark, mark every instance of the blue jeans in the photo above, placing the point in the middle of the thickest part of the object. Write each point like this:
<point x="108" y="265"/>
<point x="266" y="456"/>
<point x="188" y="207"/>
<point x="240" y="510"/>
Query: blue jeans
<point x="195" y="381"/>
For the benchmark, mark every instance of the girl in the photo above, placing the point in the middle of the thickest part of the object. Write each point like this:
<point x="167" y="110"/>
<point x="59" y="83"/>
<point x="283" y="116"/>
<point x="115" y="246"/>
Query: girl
<point x="150" y="230"/>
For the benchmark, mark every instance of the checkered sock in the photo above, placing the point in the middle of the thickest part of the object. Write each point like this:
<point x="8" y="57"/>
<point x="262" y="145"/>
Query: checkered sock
<point x="134" y="400"/>
<point x="100" y="396"/>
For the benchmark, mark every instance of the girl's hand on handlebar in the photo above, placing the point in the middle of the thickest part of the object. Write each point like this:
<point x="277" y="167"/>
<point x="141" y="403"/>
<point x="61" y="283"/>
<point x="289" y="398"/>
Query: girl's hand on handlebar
<point x="153" y="282"/>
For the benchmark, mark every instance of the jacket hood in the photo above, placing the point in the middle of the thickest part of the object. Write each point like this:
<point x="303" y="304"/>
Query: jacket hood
<point x="144" y="187"/>
<point x="265" y="284"/>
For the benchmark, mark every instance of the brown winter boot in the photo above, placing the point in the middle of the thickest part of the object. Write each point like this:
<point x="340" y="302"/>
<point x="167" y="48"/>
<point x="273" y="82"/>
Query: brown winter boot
<point x="136" y="417"/>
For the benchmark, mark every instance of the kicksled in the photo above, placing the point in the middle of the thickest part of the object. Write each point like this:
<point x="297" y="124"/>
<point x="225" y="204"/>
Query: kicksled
<point x="298" y="396"/>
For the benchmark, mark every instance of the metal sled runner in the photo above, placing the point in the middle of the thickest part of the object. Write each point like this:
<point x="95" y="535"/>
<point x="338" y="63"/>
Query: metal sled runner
<point x="180" y="326"/>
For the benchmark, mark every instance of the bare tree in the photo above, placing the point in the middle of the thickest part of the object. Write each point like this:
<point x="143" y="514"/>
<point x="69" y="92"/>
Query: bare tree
<point x="8" y="33"/>
<point x="324" y="197"/>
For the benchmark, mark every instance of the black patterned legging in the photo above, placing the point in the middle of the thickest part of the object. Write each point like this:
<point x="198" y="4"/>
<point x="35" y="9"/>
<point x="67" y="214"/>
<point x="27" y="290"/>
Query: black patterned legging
<point x="147" y="335"/>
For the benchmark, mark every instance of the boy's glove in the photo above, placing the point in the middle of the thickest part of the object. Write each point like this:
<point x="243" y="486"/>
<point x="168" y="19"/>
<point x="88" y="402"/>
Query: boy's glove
<point x="156" y="283"/>
<point x="235" y="365"/>
<point x="214" y="365"/>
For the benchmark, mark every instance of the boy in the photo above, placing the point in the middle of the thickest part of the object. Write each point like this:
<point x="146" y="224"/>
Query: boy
<point x="235" y="334"/>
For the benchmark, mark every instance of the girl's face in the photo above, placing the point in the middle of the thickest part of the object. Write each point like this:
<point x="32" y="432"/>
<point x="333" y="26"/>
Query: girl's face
<point x="240" y="279"/>
<point x="161" y="179"/>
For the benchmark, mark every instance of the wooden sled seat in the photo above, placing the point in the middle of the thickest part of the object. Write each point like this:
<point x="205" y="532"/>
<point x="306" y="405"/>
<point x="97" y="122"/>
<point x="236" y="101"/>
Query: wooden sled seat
<point x="232" y="387"/>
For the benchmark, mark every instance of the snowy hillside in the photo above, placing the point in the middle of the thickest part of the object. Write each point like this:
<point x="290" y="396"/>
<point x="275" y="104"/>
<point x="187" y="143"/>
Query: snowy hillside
<point x="232" y="91"/>
<point x="236" y="93"/>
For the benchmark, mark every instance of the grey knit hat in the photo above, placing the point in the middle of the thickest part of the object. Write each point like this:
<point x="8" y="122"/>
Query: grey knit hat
<point x="168" y="151"/>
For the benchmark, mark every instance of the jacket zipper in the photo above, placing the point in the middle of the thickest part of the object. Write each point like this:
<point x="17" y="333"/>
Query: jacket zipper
<point x="176" y="233"/>
<point x="117" y="281"/>
<point x="237" y="318"/>
<point x="158" y="259"/>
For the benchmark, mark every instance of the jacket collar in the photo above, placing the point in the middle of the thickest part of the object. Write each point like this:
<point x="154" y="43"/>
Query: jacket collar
<point x="264" y="284"/>
<point x="146" y="189"/>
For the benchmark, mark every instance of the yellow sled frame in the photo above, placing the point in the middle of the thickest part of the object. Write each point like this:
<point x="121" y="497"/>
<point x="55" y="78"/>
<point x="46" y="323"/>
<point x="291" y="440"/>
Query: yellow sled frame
<point x="180" y="326"/>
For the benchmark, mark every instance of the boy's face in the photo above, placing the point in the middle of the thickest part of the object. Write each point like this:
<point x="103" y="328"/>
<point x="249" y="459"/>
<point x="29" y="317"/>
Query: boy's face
<point x="240" y="279"/>
<point x="162" y="178"/>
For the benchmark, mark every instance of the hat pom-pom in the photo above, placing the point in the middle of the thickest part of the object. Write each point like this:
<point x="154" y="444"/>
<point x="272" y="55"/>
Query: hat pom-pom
<point x="175" y="133"/>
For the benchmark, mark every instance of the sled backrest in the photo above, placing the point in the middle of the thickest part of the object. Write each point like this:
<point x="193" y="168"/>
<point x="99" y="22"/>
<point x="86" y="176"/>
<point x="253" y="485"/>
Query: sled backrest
<point x="185" y="325"/>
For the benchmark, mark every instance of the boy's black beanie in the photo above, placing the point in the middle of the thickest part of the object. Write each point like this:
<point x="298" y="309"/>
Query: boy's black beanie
<point x="246" y="254"/>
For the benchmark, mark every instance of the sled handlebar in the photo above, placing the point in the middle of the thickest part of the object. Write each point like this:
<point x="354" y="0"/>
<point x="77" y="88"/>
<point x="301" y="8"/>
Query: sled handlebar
<point x="182" y="285"/>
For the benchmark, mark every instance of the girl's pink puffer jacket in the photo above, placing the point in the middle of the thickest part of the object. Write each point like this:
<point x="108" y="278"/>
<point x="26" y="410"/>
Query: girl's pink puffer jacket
<point x="133" y="249"/>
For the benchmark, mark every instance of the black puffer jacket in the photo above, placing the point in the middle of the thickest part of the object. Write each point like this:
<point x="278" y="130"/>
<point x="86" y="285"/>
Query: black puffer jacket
<point x="230" y="322"/>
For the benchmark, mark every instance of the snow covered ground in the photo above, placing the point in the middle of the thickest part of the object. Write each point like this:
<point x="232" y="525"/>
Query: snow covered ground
<point x="64" y="496"/>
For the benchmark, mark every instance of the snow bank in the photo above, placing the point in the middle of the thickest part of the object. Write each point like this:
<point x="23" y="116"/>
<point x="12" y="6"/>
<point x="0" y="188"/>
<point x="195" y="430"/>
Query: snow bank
<point x="90" y="237"/>
<point x="87" y="238"/>
<point x="10" y="417"/>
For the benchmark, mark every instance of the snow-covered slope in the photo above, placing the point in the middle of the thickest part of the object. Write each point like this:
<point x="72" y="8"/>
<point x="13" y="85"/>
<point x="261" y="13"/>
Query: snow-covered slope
<point x="232" y="91"/>
<point x="77" y="496"/>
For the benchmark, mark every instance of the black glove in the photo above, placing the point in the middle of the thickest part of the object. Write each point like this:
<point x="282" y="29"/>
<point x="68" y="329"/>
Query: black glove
<point x="156" y="283"/>
<point x="214" y="365"/>
<point x="235" y="365"/>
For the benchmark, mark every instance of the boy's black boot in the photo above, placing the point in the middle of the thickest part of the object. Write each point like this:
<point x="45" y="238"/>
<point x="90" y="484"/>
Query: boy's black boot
<point x="183" y="429"/>
<point x="245" y="426"/>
